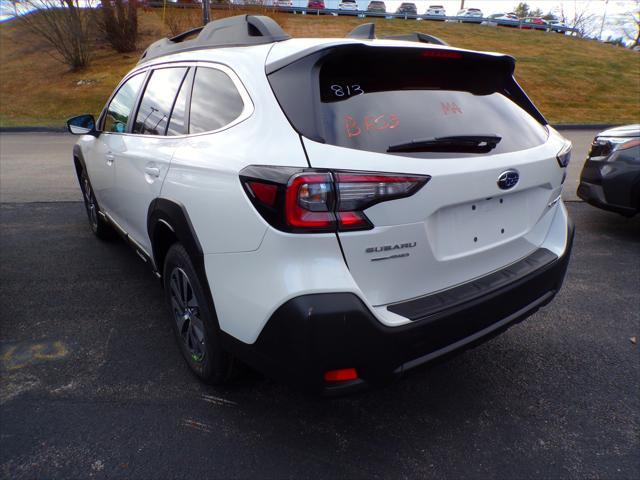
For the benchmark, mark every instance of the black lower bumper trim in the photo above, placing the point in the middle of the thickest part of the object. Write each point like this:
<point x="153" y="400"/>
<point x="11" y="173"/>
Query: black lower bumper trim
<point x="594" y="195"/>
<point x="311" y="334"/>
<point x="425" y="308"/>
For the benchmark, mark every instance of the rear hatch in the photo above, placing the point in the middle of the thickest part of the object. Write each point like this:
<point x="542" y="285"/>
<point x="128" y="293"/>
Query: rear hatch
<point x="458" y="117"/>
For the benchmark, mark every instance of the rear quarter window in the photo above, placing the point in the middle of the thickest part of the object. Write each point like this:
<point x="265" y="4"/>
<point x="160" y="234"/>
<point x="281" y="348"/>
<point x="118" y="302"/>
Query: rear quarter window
<point x="215" y="101"/>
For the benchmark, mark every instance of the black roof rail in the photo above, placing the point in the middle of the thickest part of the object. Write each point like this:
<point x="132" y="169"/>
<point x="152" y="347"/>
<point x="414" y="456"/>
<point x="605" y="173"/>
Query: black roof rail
<point x="418" y="37"/>
<point x="181" y="36"/>
<point x="366" y="31"/>
<point x="241" y="30"/>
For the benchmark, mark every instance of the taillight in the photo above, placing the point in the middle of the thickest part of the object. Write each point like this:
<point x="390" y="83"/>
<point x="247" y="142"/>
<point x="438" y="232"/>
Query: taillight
<point x="440" y="54"/>
<point x="265" y="193"/>
<point x="313" y="201"/>
<point x="359" y="191"/>
<point x="564" y="155"/>
<point x="309" y="202"/>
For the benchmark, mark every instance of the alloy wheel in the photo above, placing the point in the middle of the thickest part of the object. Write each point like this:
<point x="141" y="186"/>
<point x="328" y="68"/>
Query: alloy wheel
<point x="186" y="313"/>
<point x="90" y="204"/>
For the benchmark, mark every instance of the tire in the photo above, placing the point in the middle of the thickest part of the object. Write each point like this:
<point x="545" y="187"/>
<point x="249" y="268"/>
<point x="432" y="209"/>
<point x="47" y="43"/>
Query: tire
<point x="194" y="320"/>
<point x="99" y="225"/>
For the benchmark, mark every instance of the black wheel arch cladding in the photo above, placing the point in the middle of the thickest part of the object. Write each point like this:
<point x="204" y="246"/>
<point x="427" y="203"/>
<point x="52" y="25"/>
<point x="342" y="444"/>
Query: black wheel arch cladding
<point x="78" y="161"/>
<point x="172" y="215"/>
<point x="167" y="213"/>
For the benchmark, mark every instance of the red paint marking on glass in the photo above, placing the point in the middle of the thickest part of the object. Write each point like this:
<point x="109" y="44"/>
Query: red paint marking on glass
<point x="370" y="123"/>
<point x="450" y="108"/>
<point x="351" y="126"/>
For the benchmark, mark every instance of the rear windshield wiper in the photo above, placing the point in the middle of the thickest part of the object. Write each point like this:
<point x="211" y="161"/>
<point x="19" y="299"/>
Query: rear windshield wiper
<point x="455" y="143"/>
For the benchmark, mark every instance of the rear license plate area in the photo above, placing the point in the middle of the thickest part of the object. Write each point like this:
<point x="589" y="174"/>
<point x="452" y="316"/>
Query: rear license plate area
<point x="461" y="229"/>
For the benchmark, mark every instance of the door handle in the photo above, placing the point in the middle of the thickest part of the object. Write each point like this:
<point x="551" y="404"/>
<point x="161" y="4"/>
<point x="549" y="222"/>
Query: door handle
<point x="152" y="171"/>
<point x="110" y="157"/>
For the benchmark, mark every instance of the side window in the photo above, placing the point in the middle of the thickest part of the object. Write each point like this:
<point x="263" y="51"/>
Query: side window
<point x="157" y="101"/>
<point x="178" y="123"/>
<point x="121" y="105"/>
<point x="215" y="101"/>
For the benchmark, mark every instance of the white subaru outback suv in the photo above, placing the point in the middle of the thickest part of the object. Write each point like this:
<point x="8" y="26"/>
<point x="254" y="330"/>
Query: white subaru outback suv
<point x="332" y="212"/>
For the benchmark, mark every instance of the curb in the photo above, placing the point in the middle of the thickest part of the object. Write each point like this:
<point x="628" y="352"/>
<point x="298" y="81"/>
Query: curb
<point x="563" y="126"/>
<point x="32" y="129"/>
<point x="581" y="126"/>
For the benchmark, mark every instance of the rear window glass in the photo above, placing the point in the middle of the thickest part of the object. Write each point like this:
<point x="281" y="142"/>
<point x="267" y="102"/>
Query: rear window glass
<point x="372" y="101"/>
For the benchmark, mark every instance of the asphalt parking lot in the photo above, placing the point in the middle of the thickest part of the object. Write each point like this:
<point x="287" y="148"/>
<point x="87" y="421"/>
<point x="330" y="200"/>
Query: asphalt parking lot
<point x="92" y="383"/>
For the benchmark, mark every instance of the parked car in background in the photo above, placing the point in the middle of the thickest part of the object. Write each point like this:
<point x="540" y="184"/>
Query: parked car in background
<point x="511" y="17"/>
<point x="283" y="3"/>
<point x="348" y="5"/>
<point x="470" y="14"/>
<point x="610" y="177"/>
<point x="554" y="24"/>
<point x="377" y="7"/>
<point x="407" y="8"/>
<point x="537" y="23"/>
<point x="435" y="11"/>
<point x="316" y="4"/>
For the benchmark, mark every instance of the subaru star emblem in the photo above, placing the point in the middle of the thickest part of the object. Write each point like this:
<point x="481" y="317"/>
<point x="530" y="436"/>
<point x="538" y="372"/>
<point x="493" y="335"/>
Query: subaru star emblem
<point x="508" y="179"/>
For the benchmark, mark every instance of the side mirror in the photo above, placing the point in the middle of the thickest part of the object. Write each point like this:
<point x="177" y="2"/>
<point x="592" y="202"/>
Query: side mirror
<point x="82" y="125"/>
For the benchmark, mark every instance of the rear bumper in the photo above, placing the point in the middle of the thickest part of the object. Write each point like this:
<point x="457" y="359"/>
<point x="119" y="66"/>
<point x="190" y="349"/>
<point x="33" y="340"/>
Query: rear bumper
<point x="312" y="334"/>
<point x="612" y="185"/>
<point x="594" y="195"/>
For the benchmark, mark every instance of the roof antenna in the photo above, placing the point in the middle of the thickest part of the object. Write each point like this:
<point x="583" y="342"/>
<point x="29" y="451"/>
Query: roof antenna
<point x="206" y="10"/>
<point x="366" y="31"/>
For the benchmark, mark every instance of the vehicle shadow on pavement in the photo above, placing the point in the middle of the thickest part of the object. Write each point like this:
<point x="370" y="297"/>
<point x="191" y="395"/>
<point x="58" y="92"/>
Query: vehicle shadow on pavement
<point x="93" y="384"/>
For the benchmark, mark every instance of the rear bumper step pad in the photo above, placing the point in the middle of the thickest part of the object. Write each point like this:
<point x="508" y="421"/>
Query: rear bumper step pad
<point x="420" y="309"/>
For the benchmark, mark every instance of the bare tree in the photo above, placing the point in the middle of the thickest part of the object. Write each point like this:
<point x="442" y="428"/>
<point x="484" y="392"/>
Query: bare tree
<point x="582" y="20"/>
<point x="120" y="23"/>
<point x="631" y="25"/>
<point x="178" y="19"/>
<point x="64" y="25"/>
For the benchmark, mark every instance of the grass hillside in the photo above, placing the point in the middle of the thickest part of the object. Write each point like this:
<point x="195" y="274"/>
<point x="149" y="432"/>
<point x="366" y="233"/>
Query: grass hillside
<point x="571" y="80"/>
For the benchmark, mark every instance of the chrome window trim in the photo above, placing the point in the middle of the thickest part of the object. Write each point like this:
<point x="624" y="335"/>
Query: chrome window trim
<point x="248" y="105"/>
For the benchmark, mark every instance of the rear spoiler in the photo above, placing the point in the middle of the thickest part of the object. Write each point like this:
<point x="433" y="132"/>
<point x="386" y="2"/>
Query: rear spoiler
<point x="418" y="37"/>
<point x="506" y="61"/>
<point x="367" y="31"/>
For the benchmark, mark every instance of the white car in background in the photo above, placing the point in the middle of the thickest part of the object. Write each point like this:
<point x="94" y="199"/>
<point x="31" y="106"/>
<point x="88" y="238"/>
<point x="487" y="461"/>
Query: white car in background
<point x="283" y="3"/>
<point x="348" y="5"/>
<point x="504" y="16"/>
<point x="470" y="14"/>
<point x="554" y="24"/>
<point x="509" y="19"/>
<point x="435" y="11"/>
<point x="326" y="224"/>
